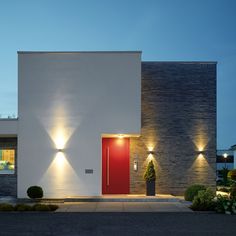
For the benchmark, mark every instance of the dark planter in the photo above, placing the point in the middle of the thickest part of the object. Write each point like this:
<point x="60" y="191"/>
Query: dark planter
<point x="150" y="188"/>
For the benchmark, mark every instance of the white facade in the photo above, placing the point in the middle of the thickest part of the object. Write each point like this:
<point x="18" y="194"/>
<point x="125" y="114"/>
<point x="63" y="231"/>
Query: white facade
<point x="8" y="127"/>
<point x="67" y="101"/>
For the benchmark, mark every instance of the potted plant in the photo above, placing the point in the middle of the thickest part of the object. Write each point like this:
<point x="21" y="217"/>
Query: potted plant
<point x="150" y="177"/>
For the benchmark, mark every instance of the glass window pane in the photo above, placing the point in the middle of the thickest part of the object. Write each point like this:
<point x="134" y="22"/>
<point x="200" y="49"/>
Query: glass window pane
<point x="7" y="161"/>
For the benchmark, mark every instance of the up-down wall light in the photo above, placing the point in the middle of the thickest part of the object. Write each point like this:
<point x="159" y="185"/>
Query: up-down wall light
<point x="60" y="150"/>
<point x="151" y="152"/>
<point x="199" y="152"/>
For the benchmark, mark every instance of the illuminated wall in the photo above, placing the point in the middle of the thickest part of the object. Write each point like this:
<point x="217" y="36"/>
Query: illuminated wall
<point x="178" y="126"/>
<point x="66" y="101"/>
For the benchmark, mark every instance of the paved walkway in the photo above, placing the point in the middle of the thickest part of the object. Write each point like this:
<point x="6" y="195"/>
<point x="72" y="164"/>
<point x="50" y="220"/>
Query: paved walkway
<point x="124" y="198"/>
<point x="124" y="207"/>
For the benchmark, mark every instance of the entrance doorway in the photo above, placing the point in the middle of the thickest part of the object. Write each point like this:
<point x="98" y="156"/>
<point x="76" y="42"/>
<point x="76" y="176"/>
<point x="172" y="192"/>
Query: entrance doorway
<point x="115" y="165"/>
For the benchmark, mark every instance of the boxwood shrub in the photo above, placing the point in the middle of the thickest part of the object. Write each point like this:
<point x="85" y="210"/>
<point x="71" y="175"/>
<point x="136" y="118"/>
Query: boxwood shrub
<point x="41" y="207"/>
<point x="233" y="192"/>
<point x="6" y="207"/>
<point x="35" y="192"/>
<point x="204" y="201"/>
<point x="53" y="207"/>
<point x="192" y="191"/>
<point x="225" y="205"/>
<point x="232" y="174"/>
<point x="23" y="207"/>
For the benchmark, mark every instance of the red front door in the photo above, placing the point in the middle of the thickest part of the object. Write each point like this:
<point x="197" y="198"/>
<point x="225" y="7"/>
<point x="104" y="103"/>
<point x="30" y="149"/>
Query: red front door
<point x="115" y="165"/>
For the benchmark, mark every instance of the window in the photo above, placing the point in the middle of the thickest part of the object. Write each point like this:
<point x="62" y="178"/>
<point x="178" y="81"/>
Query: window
<point x="7" y="161"/>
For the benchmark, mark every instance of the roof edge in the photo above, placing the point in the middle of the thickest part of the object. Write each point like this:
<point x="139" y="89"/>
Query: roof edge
<point x="51" y="52"/>
<point x="183" y="62"/>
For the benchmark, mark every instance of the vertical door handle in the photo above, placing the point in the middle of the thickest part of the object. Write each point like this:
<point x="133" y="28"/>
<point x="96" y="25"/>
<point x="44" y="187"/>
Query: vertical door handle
<point x="108" y="170"/>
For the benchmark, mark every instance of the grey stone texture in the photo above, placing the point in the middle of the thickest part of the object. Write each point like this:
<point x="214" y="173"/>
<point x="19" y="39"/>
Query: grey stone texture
<point x="178" y="120"/>
<point x="8" y="182"/>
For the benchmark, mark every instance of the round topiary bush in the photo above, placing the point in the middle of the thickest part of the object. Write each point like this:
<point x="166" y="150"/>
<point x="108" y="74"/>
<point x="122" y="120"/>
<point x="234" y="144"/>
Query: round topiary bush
<point x="53" y="207"/>
<point x="41" y="207"/>
<point x="232" y="174"/>
<point x="233" y="192"/>
<point x="35" y="192"/>
<point x="23" y="207"/>
<point x="192" y="191"/>
<point x="6" y="207"/>
<point x="204" y="201"/>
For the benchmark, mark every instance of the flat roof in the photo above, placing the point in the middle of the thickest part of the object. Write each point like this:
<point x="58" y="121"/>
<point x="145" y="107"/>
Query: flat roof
<point x="29" y="52"/>
<point x="138" y="51"/>
<point x="183" y="62"/>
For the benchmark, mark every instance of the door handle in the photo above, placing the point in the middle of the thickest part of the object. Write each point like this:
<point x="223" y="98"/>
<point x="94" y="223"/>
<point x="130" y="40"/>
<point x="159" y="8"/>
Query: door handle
<point x="108" y="170"/>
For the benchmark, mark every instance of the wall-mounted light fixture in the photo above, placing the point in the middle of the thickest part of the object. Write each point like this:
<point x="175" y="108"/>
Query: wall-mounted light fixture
<point x="135" y="165"/>
<point x="120" y="135"/>
<point x="60" y="150"/>
<point x="200" y="152"/>
<point x="151" y="152"/>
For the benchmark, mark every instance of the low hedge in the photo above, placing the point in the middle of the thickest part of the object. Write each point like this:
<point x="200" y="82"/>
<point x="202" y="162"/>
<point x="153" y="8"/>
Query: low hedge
<point x="6" y="207"/>
<point x="24" y="207"/>
<point x="192" y="191"/>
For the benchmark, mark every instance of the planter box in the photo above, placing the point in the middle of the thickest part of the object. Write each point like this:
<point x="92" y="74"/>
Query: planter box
<point x="150" y="188"/>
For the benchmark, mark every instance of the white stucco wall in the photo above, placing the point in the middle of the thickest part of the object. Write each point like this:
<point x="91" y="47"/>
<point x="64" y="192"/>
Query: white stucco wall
<point x="8" y="127"/>
<point x="67" y="100"/>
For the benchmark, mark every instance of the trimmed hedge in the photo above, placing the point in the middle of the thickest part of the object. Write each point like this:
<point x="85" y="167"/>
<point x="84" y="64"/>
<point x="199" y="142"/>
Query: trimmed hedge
<point x="24" y="207"/>
<point x="53" y="207"/>
<point x="192" y="191"/>
<point x="35" y="192"/>
<point x="6" y="207"/>
<point x="41" y="207"/>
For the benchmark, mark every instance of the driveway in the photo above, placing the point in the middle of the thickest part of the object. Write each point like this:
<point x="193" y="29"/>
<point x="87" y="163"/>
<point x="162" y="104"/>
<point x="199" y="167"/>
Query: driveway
<point x="90" y="224"/>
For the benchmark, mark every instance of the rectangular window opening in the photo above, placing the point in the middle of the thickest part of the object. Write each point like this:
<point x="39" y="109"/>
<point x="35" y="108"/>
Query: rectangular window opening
<point x="7" y="161"/>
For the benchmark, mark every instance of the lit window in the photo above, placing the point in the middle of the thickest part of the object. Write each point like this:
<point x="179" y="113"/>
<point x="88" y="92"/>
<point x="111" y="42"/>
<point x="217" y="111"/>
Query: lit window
<point x="7" y="161"/>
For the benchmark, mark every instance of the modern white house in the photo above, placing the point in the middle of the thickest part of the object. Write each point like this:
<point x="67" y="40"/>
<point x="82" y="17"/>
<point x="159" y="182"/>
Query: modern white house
<point x="89" y="122"/>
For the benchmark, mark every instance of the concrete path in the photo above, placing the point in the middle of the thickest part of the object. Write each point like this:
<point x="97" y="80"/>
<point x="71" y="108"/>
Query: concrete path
<point x="124" y="207"/>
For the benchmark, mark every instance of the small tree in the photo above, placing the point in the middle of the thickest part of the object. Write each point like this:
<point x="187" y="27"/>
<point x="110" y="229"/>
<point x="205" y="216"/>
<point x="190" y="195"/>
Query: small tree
<point x="232" y="174"/>
<point x="150" y="174"/>
<point x="224" y="172"/>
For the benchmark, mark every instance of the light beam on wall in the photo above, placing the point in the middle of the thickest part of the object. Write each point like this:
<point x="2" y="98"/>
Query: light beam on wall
<point x="60" y="176"/>
<point x="59" y="125"/>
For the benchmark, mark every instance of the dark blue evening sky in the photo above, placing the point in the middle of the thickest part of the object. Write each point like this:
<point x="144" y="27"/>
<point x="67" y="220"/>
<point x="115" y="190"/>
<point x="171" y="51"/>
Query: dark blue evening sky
<point x="163" y="29"/>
